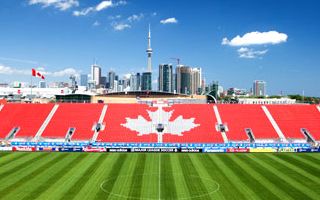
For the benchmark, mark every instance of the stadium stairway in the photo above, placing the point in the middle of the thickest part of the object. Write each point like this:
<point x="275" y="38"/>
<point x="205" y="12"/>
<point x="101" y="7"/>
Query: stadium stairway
<point x="274" y="124"/>
<point x="45" y="123"/>
<point x="78" y="119"/>
<point x="293" y="118"/>
<point x="23" y="120"/>
<point x="100" y="125"/>
<point x="204" y="117"/>
<point x="219" y="121"/>
<point x="238" y="118"/>
<point x="117" y="116"/>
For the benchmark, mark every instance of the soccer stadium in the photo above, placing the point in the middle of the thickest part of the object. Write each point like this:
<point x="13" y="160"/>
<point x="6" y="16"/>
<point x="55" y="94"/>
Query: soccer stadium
<point x="159" y="151"/>
<point x="224" y="105"/>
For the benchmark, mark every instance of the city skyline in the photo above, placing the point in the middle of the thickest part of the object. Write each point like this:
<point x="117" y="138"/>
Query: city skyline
<point x="231" y="44"/>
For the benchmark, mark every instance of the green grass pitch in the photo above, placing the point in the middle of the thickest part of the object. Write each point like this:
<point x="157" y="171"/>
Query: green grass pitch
<point x="153" y="176"/>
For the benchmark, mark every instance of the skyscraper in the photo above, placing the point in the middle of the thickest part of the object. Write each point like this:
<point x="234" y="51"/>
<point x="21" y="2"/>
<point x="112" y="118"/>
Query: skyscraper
<point x="165" y="78"/>
<point x="183" y="79"/>
<point x="146" y="81"/>
<point x="196" y="80"/>
<point x="83" y="80"/>
<point x="259" y="88"/>
<point x="95" y="74"/>
<point x="111" y="79"/>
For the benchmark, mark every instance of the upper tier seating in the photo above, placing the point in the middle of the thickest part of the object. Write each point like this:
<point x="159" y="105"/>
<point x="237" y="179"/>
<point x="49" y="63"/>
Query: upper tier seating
<point x="82" y="117"/>
<point x="291" y="118"/>
<point x="28" y="117"/>
<point x="238" y="117"/>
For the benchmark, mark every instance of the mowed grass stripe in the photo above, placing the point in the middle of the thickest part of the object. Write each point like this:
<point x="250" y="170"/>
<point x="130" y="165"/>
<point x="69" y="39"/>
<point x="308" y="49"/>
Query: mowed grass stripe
<point x="65" y="182"/>
<point x="272" y="177"/>
<point x="297" y="169"/>
<point x="77" y="186"/>
<point x="11" y="158"/>
<point x="92" y="186"/>
<point x="180" y="184"/>
<point x="305" y="165"/>
<point x="211" y="184"/>
<point x="54" y="175"/>
<point x="226" y="185"/>
<point x="122" y="186"/>
<point x="260" y="180"/>
<point x="316" y="156"/>
<point x="190" y="174"/>
<point x="114" y="172"/>
<point x="37" y="170"/>
<point x="167" y="182"/>
<point x="137" y="177"/>
<point x="244" y="173"/>
<point x="22" y="165"/>
<point x="283" y="174"/>
<point x="229" y="171"/>
<point x="312" y="159"/>
<point x="150" y="183"/>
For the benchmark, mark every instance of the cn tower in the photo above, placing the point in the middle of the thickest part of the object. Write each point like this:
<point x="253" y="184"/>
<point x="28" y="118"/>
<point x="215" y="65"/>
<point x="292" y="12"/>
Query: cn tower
<point x="149" y="52"/>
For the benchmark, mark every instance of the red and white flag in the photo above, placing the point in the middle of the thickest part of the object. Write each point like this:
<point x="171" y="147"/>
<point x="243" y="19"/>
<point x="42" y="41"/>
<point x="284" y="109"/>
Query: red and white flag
<point x="37" y="74"/>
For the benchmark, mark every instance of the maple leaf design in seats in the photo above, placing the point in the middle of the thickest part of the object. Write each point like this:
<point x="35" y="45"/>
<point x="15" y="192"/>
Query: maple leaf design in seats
<point x="145" y="127"/>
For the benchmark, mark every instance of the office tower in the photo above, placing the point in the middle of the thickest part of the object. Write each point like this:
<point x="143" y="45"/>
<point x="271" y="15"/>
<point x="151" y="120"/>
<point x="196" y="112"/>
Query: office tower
<point x="183" y="79"/>
<point x="42" y="84"/>
<point x="259" y="88"/>
<point x="83" y="80"/>
<point x="146" y="82"/>
<point x="165" y="78"/>
<point x="95" y="74"/>
<point x="111" y="79"/>
<point x="196" y="81"/>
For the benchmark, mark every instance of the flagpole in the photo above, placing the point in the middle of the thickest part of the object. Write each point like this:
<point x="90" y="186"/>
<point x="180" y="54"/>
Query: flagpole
<point x="31" y="88"/>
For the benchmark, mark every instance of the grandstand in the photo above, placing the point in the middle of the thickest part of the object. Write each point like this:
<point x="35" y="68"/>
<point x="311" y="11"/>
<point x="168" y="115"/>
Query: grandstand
<point x="160" y="123"/>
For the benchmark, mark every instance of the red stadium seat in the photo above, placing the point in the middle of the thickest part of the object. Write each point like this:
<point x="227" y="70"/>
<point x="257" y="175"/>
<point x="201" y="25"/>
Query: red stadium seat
<point x="291" y="118"/>
<point x="203" y="114"/>
<point x="28" y="117"/>
<point x="82" y="117"/>
<point x="116" y="115"/>
<point x="238" y="117"/>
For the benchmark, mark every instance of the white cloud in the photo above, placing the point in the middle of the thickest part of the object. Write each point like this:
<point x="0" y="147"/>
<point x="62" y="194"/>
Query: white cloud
<point x="245" y="52"/>
<point x="120" y="26"/>
<point x="7" y="70"/>
<point x="103" y="5"/>
<point x="64" y="72"/>
<point x="119" y="3"/>
<point x="96" y="23"/>
<point x="171" y="20"/>
<point x="59" y="4"/>
<point x="135" y="17"/>
<point x="114" y="17"/>
<point x="99" y="7"/>
<point x="256" y="38"/>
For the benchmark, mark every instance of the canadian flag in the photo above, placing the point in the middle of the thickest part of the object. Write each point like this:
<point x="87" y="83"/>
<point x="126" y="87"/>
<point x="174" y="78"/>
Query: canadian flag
<point x="37" y="74"/>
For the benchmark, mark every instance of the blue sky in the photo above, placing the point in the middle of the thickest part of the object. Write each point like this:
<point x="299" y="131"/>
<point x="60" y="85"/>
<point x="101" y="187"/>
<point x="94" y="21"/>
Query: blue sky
<point x="278" y="40"/>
